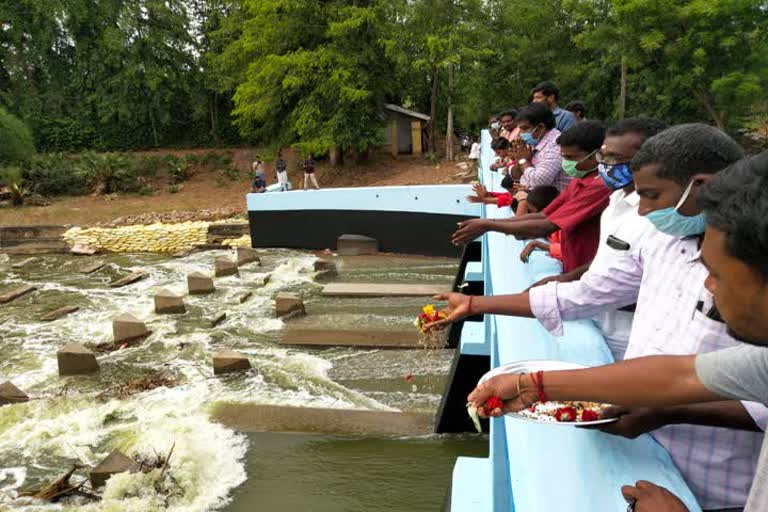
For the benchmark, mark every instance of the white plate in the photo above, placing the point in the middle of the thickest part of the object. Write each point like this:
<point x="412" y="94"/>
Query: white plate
<point x="547" y="366"/>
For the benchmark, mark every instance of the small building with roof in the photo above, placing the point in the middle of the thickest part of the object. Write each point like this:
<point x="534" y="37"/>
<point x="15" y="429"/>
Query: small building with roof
<point x="405" y="131"/>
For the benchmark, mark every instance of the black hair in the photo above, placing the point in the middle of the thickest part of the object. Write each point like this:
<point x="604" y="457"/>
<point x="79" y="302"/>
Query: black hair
<point x="735" y="201"/>
<point x="547" y="89"/>
<point x="577" y="106"/>
<point x="537" y="113"/>
<point x="500" y="143"/>
<point x="588" y="136"/>
<point x="507" y="182"/>
<point x="541" y="196"/>
<point x="686" y="150"/>
<point x="511" y="112"/>
<point x="647" y="127"/>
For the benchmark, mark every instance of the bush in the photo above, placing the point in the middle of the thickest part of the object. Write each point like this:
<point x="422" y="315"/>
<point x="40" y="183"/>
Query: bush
<point x="11" y="177"/>
<point x="110" y="172"/>
<point x="16" y="142"/>
<point x="56" y="174"/>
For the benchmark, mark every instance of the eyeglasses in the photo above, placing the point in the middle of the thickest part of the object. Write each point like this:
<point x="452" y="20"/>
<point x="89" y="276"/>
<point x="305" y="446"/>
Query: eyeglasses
<point x="610" y="160"/>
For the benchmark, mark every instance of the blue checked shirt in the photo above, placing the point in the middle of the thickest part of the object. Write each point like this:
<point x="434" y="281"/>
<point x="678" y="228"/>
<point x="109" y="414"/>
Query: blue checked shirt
<point x="665" y="277"/>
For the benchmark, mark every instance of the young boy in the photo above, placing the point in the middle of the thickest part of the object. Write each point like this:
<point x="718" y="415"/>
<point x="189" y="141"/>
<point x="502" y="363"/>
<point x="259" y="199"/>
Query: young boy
<point x="501" y="147"/>
<point x="282" y="172"/>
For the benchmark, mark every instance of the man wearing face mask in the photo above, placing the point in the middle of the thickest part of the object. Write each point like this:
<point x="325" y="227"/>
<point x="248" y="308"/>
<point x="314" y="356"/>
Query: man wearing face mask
<point x="621" y="228"/>
<point x="575" y="212"/>
<point x="674" y="315"/>
<point x="535" y="154"/>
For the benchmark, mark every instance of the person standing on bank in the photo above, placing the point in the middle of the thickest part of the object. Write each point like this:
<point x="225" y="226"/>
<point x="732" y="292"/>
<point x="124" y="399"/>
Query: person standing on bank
<point x="259" y="184"/>
<point x="309" y="173"/>
<point x="282" y="172"/>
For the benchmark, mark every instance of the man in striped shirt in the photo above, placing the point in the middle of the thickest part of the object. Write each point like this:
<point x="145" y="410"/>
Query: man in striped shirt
<point x="674" y="315"/>
<point x="535" y="155"/>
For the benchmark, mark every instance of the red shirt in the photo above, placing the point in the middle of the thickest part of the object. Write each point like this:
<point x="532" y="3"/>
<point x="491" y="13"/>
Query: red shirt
<point x="576" y="211"/>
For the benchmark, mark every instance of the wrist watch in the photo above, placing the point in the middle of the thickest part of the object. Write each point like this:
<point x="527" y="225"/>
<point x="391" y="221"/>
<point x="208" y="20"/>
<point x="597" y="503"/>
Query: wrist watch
<point x="522" y="161"/>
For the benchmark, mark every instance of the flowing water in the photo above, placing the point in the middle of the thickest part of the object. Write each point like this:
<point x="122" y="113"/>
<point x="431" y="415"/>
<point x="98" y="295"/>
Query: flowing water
<point x="213" y="467"/>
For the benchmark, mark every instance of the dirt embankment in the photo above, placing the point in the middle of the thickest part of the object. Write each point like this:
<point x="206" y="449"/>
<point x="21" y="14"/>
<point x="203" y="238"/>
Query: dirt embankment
<point x="206" y="197"/>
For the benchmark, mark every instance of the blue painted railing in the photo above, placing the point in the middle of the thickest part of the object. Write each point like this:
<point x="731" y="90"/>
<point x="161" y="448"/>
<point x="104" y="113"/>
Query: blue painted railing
<point x="543" y="468"/>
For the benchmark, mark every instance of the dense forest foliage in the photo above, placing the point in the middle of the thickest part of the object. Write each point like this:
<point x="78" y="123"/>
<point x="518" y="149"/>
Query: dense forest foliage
<point x="124" y="74"/>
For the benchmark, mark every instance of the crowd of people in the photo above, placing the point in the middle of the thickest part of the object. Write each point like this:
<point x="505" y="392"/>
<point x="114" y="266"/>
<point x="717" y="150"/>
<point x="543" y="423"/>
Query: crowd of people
<point x="259" y="183"/>
<point x="663" y="236"/>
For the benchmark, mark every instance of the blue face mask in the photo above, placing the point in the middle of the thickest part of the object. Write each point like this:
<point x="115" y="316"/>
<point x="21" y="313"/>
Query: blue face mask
<point x="528" y="138"/>
<point x="615" y="176"/>
<point x="671" y="222"/>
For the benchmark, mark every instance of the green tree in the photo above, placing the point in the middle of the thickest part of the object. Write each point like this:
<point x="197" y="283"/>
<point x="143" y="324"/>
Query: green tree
<point x="685" y="59"/>
<point x="316" y="76"/>
<point x="15" y="139"/>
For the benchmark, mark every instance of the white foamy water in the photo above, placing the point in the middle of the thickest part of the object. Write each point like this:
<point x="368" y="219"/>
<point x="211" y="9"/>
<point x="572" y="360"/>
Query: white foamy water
<point x="64" y="424"/>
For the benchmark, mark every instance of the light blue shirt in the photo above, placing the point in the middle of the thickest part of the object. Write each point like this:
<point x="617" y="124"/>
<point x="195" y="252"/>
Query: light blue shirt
<point x="563" y="119"/>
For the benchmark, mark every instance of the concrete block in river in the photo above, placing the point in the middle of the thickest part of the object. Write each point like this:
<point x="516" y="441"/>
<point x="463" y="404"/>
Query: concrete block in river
<point x="250" y="417"/>
<point x="129" y="279"/>
<point x="218" y="319"/>
<point x="23" y="263"/>
<point x="356" y="245"/>
<point x="10" y="394"/>
<point x="247" y="255"/>
<point x="289" y="303"/>
<point x="75" y="359"/>
<point x="114" y="463"/>
<point x="200" y="284"/>
<point x="384" y="290"/>
<point x="223" y="266"/>
<point x="15" y="294"/>
<point x="229" y="361"/>
<point x="127" y="327"/>
<point x="325" y="269"/>
<point x="59" y="313"/>
<point x="167" y="302"/>
<point x="244" y="297"/>
<point x="92" y="267"/>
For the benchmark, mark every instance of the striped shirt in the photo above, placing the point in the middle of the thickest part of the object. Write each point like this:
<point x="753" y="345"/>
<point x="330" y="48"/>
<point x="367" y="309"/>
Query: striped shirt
<point x="665" y="277"/>
<point x="547" y="164"/>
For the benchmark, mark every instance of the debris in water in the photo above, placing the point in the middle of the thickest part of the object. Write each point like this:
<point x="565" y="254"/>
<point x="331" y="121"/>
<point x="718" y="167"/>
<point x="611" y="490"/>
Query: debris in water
<point x="60" y="488"/>
<point x="135" y="386"/>
<point x="408" y="378"/>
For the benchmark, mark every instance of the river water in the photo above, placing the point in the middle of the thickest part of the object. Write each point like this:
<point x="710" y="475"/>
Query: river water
<point x="213" y="467"/>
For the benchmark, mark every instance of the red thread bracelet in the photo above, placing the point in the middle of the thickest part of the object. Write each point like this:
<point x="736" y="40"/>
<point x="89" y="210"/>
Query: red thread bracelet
<point x="538" y="381"/>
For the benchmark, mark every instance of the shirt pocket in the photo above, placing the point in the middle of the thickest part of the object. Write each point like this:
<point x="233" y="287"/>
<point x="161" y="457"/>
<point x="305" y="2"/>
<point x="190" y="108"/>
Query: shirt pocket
<point x="710" y="335"/>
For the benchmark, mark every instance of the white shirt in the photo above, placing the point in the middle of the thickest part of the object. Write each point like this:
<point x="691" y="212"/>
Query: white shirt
<point x="474" y="151"/>
<point x="665" y="277"/>
<point x="620" y="220"/>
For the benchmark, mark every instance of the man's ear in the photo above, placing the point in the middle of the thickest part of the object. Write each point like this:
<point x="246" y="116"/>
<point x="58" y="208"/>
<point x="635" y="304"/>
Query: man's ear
<point x="699" y="180"/>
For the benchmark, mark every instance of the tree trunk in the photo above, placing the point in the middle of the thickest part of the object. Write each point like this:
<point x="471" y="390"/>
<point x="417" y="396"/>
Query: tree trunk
<point x="154" y="128"/>
<point x="433" y="112"/>
<point x="336" y="157"/>
<point x="718" y="117"/>
<point x="213" y="106"/>
<point x="449" y="129"/>
<point x="623" y="89"/>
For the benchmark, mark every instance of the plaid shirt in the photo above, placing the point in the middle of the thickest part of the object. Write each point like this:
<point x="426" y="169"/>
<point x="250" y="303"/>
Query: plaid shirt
<point x="665" y="276"/>
<point x="547" y="164"/>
